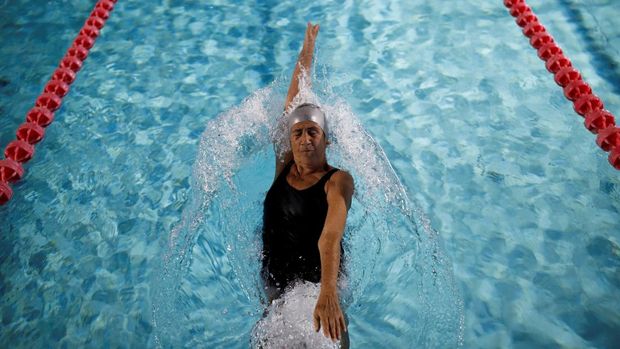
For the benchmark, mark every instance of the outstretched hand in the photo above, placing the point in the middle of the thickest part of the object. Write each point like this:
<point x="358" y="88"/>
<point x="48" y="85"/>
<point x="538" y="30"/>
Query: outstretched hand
<point x="327" y="315"/>
<point x="311" y="33"/>
<point x="304" y="64"/>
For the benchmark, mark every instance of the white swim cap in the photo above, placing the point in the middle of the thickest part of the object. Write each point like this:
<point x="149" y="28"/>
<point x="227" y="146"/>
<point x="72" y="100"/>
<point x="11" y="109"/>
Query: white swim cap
<point x="308" y="112"/>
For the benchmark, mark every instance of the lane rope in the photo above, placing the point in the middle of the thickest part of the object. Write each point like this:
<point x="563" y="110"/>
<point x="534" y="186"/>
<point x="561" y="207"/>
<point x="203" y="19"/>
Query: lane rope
<point x="585" y="103"/>
<point x="20" y="150"/>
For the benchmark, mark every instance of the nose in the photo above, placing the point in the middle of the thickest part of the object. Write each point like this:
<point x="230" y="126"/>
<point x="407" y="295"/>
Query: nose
<point x="305" y="138"/>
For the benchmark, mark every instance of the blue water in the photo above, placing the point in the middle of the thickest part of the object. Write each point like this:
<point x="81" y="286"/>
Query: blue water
<point x="475" y="128"/>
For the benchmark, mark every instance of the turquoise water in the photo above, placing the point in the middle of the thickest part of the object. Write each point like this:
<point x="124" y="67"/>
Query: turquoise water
<point x="475" y="128"/>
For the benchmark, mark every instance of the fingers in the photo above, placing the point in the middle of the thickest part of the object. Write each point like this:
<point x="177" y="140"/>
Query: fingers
<point x="317" y="322"/>
<point x="335" y="329"/>
<point x="326" y="330"/>
<point x="330" y="331"/>
<point x="328" y="316"/>
<point x="343" y="325"/>
<point x="312" y="28"/>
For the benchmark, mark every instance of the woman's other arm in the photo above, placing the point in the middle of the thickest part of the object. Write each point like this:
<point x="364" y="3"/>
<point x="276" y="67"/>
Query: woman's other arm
<point x="327" y="313"/>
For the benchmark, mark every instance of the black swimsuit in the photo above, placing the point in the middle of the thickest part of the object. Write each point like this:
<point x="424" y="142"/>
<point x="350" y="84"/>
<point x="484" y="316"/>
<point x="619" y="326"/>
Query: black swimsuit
<point x="292" y="224"/>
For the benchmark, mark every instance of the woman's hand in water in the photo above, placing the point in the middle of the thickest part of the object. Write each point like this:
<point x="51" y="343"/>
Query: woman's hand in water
<point x="327" y="315"/>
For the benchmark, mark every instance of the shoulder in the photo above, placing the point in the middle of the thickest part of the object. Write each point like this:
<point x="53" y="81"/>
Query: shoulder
<point x="342" y="177"/>
<point x="342" y="181"/>
<point x="340" y="187"/>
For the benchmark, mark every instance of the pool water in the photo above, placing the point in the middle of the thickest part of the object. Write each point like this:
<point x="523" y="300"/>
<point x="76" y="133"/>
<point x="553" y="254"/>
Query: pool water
<point x="524" y="202"/>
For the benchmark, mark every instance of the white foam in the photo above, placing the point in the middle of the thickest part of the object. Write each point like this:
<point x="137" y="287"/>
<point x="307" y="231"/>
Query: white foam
<point x="288" y="322"/>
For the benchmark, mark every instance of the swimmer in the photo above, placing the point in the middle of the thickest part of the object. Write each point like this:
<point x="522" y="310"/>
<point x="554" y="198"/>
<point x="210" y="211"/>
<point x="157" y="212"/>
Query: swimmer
<point x="305" y="210"/>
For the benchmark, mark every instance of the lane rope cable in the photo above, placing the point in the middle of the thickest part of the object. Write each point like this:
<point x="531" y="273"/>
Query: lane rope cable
<point x="585" y="103"/>
<point x="20" y="150"/>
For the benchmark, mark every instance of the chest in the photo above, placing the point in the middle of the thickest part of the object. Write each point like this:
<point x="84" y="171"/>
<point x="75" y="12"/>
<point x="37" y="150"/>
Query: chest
<point x="296" y="197"/>
<point x="305" y="183"/>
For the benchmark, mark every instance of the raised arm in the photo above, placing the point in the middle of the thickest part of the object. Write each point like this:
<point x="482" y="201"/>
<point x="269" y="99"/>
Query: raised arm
<point x="327" y="313"/>
<point x="304" y="62"/>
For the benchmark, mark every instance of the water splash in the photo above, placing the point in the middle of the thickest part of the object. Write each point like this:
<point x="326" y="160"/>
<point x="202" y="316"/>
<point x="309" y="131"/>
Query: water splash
<point x="208" y="292"/>
<point x="288" y="321"/>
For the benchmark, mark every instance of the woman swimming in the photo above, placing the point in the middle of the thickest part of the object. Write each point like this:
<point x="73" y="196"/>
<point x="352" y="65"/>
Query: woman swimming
<point x="305" y="209"/>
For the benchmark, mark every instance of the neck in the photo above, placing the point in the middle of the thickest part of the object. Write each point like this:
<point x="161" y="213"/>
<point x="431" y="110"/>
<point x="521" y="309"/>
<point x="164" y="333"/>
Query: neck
<point x="307" y="166"/>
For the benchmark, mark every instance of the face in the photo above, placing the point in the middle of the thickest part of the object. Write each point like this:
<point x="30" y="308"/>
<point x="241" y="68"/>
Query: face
<point x="308" y="141"/>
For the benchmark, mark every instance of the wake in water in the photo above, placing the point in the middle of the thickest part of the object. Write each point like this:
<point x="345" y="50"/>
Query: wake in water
<point x="288" y="321"/>
<point x="208" y="293"/>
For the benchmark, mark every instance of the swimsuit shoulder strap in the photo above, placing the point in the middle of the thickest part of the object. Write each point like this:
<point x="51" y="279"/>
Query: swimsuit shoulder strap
<point x="327" y="176"/>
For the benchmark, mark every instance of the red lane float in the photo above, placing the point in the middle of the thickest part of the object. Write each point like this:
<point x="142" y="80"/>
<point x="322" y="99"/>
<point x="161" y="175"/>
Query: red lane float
<point x="598" y="119"/>
<point x="585" y="102"/>
<point x="5" y="193"/>
<point x="85" y="41"/>
<point x="72" y="63"/>
<point x="539" y="39"/>
<point x="10" y="170"/>
<point x="576" y="89"/>
<point x="106" y="5"/>
<point x="519" y="8"/>
<point x="565" y="75"/>
<point x="19" y="151"/>
<point x="557" y="62"/>
<point x="41" y="115"/>
<point x="608" y="138"/>
<point x="90" y="30"/>
<point x="95" y="22"/>
<point x="48" y="101"/>
<point x="525" y="18"/>
<point x="78" y="51"/>
<point x="64" y="74"/>
<point x="30" y="132"/>
<point x="509" y="3"/>
<point x="57" y="87"/>
<point x="532" y="29"/>
<point x="101" y="13"/>
<point x="546" y="51"/>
